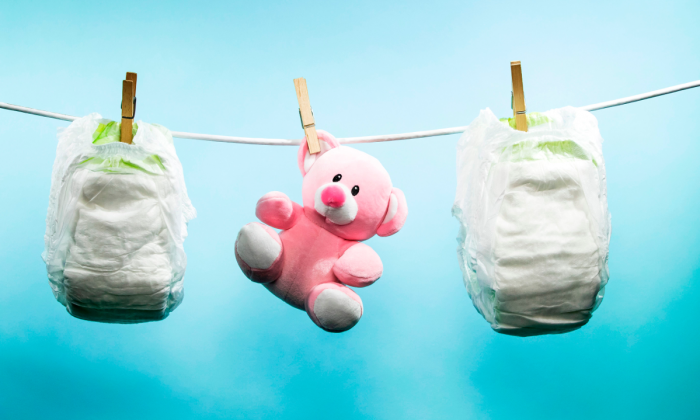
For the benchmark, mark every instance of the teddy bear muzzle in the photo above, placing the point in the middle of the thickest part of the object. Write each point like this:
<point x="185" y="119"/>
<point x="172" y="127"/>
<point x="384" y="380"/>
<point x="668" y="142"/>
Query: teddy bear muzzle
<point x="335" y="202"/>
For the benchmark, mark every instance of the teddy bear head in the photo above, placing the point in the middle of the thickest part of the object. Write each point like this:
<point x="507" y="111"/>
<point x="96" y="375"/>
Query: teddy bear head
<point x="348" y="192"/>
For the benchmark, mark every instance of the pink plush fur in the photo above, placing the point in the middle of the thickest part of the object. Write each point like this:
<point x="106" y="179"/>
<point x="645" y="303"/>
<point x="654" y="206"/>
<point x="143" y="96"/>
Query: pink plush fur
<point x="347" y="197"/>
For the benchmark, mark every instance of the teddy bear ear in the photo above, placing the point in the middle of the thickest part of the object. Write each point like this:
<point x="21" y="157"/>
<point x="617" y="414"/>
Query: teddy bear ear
<point x="307" y="160"/>
<point x="395" y="215"/>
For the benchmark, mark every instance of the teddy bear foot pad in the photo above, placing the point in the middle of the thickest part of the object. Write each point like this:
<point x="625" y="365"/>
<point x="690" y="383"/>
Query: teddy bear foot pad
<point x="334" y="307"/>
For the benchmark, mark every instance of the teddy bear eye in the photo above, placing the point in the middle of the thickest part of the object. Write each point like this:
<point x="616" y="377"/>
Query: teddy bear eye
<point x="337" y="178"/>
<point x="355" y="190"/>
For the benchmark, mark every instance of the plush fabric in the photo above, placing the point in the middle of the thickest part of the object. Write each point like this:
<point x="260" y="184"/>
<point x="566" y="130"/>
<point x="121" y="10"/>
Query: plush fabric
<point x="347" y="198"/>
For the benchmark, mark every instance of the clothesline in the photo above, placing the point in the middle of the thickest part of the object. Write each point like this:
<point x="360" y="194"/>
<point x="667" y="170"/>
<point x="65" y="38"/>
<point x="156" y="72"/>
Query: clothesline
<point x="367" y="139"/>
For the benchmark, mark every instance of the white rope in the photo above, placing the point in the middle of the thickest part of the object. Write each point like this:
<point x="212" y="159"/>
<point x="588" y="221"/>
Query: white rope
<point x="368" y="139"/>
<point x="39" y="112"/>
<point x="636" y="98"/>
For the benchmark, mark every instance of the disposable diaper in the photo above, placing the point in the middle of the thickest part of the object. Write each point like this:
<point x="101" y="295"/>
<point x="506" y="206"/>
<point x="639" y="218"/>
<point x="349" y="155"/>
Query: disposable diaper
<point x="116" y="223"/>
<point x="535" y="227"/>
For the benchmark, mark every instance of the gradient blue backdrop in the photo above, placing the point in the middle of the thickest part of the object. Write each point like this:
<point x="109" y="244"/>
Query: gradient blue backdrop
<point x="232" y="350"/>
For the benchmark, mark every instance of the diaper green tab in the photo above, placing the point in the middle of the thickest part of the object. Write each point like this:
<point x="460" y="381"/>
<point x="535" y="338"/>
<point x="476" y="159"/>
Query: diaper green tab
<point x="545" y="150"/>
<point x="533" y="119"/>
<point x="110" y="133"/>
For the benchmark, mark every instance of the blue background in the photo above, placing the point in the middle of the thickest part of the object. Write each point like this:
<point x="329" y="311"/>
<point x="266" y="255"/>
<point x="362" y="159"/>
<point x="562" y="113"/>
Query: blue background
<point x="232" y="350"/>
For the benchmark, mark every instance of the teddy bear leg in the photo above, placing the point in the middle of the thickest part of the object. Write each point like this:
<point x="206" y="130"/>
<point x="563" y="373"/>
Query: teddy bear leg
<point x="334" y="307"/>
<point x="259" y="253"/>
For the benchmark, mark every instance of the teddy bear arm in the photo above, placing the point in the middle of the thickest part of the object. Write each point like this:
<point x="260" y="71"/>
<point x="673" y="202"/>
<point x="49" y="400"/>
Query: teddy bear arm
<point x="277" y="210"/>
<point x="359" y="266"/>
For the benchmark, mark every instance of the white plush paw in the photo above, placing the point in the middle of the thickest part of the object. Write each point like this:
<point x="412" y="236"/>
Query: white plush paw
<point x="256" y="247"/>
<point x="336" y="311"/>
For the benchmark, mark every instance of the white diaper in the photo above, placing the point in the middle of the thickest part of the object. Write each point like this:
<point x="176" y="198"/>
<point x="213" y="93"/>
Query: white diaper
<point x="533" y="245"/>
<point x="116" y="225"/>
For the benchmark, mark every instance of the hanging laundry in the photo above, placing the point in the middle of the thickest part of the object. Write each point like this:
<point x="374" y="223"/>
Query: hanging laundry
<point x="116" y="223"/>
<point x="347" y="198"/>
<point x="535" y="227"/>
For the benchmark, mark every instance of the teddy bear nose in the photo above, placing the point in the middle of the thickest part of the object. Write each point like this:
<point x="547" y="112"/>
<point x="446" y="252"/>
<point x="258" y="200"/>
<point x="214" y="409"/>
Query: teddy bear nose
<point x="333" y="196"/>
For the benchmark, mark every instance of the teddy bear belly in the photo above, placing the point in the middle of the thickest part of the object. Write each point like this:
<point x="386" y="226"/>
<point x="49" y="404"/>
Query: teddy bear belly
<point x="309" y="255"/>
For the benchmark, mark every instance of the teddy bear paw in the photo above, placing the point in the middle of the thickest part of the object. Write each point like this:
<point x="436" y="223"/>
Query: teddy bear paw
<point x="258" y="252"/>
<point x="334" y="307"/>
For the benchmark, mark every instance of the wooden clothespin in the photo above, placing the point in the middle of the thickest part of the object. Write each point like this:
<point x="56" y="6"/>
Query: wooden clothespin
<point x="307" y="116"/>
<point x="518" y="96"/>
<point x="128" y="107"/>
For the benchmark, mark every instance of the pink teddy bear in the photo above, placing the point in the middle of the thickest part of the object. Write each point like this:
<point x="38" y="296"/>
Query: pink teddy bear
<point x="348" y="198"/>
